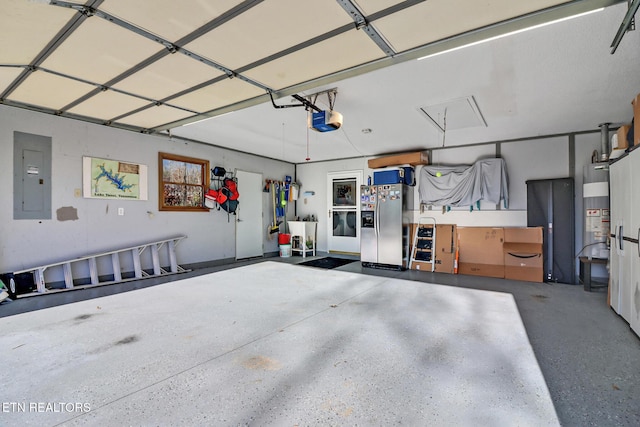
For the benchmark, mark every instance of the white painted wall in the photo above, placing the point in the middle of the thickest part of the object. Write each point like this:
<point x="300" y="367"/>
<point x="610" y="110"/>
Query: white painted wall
<point x="533" y="159"/>
<point x="28" y="243"/>
<point x="313" y="177"/>
<point x="585" y="145"/>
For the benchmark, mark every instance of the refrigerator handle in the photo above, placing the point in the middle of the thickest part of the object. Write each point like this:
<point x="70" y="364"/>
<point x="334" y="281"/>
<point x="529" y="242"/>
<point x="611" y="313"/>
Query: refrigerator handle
<point x="376" y="213"/>
<point x="375" y="216"/>
<point x="620" y="237"/>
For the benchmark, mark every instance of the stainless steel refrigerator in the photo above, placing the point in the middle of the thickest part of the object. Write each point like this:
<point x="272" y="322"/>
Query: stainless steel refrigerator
<point x="385" y="212"/>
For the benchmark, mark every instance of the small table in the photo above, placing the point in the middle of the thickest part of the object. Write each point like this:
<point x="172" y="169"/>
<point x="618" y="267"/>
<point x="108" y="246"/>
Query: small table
<point x="585" y="272"/>
<point x="301" y="233"/>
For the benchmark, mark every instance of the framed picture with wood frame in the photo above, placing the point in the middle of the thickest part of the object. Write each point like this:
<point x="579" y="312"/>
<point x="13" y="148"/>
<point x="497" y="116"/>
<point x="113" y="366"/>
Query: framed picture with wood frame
<point x="183" y="182"/>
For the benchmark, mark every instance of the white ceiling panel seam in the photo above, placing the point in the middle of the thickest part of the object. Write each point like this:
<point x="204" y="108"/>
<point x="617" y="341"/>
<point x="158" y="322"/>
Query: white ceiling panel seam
<point x="169" y="48"/>
<point x="101" y="88"/>
<point x="167" y="44"/>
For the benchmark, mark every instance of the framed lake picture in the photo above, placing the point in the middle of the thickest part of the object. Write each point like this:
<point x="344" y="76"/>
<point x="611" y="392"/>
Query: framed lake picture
<point x="114" y="179"/>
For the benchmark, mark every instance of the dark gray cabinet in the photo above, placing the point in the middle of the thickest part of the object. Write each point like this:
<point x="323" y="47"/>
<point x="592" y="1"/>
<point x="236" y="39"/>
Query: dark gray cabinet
<point x="550" y="204"/>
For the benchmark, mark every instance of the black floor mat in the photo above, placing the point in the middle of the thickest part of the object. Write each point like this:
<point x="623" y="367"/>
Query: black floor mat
<point x="328" y="262"/>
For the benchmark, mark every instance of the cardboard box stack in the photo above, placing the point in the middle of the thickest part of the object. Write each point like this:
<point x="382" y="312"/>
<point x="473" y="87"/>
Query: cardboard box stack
<point x="513" y="253"/>
<point x="523" y="254"/>
<point x="444" y="252"/>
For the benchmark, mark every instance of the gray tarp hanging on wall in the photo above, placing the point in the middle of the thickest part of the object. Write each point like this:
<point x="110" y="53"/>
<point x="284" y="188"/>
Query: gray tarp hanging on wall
<point x="465" y="185"/>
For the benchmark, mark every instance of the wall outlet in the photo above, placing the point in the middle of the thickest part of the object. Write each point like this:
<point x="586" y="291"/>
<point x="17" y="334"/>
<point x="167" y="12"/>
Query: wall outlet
<point x="77" y="192"/>
<point x="120" y="211"/>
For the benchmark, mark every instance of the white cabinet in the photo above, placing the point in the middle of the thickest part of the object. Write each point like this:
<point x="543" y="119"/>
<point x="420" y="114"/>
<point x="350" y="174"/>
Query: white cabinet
<point x="626" y="248"/>
<point x="303" y="237"/>
<point x="634" y="319"/>
<point x="617" y="178"/>
<point x="633" y="249"/>
<point x="625" y="225"/>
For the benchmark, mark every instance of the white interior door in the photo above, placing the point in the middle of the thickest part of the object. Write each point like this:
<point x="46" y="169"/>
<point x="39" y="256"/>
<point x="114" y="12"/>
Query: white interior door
<point x="249" y="227"/>
<point x="343" y="207"/>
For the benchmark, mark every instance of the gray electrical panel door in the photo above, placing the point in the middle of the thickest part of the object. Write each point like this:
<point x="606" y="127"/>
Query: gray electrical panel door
<point x="31" y="176"/>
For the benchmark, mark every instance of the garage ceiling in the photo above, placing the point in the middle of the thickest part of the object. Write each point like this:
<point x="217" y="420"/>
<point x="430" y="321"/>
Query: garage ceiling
<point x="154" y="66"/>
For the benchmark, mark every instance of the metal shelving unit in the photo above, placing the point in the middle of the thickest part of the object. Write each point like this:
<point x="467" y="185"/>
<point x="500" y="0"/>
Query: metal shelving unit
<point x="424" y="242"/>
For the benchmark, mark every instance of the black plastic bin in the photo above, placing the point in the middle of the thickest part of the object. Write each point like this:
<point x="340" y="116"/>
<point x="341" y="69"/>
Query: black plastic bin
<point x="23" y="283"/>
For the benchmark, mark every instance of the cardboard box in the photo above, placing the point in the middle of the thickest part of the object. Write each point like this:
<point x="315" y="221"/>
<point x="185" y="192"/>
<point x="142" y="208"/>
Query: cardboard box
<point x="522" y="250"/>
<point x="636" y="119"/>
<point x="523" y="235"/>
<point x="444" y="252"/>
<point x="481" y="251"/>
<point x="444" y="264"/>
<point x="485" y="270"/>
<point x="523" y="261"/>
<point x="413" y="159"/>
<point x="446" y="244"/>
<point x="622" y="138"/>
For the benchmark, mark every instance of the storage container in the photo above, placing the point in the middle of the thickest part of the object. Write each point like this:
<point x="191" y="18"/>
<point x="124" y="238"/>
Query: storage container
<point x="285" y="251"/>
<point x="402" y="175"/>
<point x="284" y="239"/>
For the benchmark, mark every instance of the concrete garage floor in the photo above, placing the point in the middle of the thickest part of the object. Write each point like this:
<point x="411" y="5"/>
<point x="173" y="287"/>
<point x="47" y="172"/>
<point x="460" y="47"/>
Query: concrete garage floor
<point x="388" y="352"/>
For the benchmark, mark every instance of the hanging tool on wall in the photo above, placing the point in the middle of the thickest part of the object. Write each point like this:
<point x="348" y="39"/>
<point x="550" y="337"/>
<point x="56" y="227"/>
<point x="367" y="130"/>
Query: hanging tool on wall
<point x="274" y="227"/>
<point x="282" y="192"/>
<point x="279" y="207"/>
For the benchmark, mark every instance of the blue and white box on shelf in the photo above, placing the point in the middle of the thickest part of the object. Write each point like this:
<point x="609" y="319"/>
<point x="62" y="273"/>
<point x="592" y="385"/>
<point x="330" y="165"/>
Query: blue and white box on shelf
<point x="400" y="175"/>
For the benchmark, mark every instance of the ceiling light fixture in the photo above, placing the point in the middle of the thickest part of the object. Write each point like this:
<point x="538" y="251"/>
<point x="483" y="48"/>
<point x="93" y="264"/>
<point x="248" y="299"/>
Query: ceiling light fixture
<point x="207" y="118"/>
<point x="511" y="33"/>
